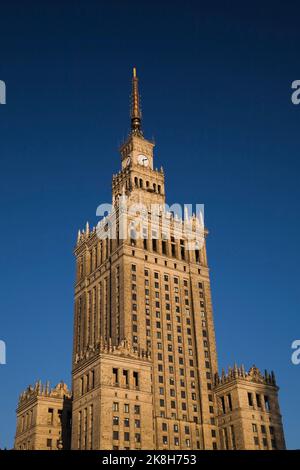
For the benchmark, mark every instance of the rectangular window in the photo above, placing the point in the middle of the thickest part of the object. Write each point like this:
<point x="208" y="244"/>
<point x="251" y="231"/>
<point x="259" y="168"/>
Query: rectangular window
<point x="229" y="402"/>
<point x="115" y="420"/>
<point x="115" y="406"/>
<point x="265" y="442"/>
<point x="115" y="376"/>
<point x="267" y="403"/>
<point x="136" y="379"/>
<point x="258" y="400"/>
<point x="250" y="399"/>
<point x="50" y="416"/>
<point x="173" y="250"/>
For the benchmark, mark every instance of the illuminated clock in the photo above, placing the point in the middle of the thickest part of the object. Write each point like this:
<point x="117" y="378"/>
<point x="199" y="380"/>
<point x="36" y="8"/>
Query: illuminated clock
<point x="143" y="160"/>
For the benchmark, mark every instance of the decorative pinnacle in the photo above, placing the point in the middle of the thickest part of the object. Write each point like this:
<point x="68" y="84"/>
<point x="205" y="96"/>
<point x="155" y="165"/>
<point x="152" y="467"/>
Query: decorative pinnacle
<point x="136" y="115"/>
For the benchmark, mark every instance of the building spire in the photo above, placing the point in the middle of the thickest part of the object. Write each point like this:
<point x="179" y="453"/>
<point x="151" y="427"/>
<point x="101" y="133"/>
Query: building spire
<point x="136" y="115"/>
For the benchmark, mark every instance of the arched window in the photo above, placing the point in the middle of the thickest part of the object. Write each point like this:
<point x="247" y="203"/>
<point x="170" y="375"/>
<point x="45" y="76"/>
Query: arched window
<point x="141" y="183"/>
<point x="158" y="188"/>
<point x="136" y="181"/>
<point x="154" y="187"/>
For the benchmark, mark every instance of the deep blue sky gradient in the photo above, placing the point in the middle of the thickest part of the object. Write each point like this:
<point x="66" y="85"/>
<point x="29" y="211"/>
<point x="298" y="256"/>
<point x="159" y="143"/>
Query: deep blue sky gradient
<point x="215" y="82"/>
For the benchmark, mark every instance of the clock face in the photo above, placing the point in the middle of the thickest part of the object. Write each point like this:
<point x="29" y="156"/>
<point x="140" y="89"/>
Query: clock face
<point x="143" y="160"/>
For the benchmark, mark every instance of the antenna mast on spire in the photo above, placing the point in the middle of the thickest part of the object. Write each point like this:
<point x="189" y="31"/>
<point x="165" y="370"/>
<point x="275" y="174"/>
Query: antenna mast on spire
<point x="136" y="115"/>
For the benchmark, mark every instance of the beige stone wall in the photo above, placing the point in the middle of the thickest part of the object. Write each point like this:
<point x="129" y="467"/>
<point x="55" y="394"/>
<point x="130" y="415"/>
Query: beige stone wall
<point x="43" y="422"/>
<point x="256" y="426"/>
<point x="103" y="394"/>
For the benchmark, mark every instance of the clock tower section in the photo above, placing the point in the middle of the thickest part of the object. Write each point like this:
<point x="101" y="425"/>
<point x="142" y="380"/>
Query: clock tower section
<point x="138" y="179"/>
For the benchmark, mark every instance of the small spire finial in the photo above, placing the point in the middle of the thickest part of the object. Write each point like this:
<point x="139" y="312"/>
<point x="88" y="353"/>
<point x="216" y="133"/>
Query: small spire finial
<point x="136" y="115"/>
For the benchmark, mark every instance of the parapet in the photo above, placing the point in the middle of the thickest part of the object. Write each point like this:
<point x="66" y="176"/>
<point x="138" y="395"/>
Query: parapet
<point x="44" y="390"/>
<point x="253" y="375"/>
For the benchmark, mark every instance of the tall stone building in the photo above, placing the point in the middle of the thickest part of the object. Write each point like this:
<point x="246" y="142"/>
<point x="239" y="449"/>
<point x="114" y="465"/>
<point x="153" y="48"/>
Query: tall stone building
<point x="145" y="372"/>
<point x="144" y="361"/>
<point x="44" y="418"/>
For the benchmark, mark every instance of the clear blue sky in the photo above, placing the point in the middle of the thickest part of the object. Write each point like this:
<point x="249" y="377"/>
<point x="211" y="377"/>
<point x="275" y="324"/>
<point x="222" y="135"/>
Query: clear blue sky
<point x="215" y="85"/>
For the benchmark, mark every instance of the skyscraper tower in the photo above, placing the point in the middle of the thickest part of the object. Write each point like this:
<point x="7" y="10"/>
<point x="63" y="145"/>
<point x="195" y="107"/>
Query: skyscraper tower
<point x="144" y="352"/>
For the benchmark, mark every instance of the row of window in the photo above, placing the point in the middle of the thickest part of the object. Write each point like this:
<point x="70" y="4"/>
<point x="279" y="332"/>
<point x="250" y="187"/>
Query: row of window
<point x="87" y="382"/>
<point x="139" y="183"/>
<point x="166" y="263"/>
<point x="259" y="401"/>
<point x="263" y="429"/>
<point x="264" y="442"/>
<point x="126" y="422"/>
<point x="126" y="408"/>
<point x="176" y="440"/>
<point x="122" y="378"/>
<point x="170" y="249"/>
<point x="126" y="436"/>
